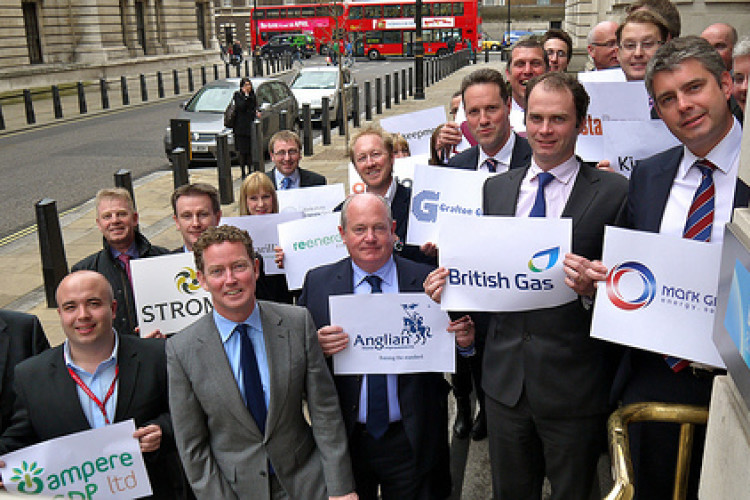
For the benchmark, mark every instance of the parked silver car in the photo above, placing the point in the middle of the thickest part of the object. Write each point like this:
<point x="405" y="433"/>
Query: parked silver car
<point x="205" y="110"/>
<point x="314" y="83"/>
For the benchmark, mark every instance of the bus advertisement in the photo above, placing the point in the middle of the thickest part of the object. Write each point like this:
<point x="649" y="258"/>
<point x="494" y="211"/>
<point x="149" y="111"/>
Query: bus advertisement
<point x="318" y="20"/>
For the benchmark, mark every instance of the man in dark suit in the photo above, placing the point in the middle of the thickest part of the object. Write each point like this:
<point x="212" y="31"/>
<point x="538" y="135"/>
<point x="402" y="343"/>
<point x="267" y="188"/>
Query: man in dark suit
<point x="546" y="381"/>
<point x="51" y="402"/>
<point x="689" y="85"/>
<point x="21" y="336"/>
<point x="286" y="150"/>
<point x="195" y="208"/>
<point x="238" y="378"/>
<point x="408" y="457"/>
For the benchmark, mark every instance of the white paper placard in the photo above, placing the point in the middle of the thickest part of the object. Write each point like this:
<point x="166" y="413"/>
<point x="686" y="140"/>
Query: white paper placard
<point x="504" y="263"/>
<point x="309" y="243"/>
<point x="403" y="172"/>
<point x="440" y="190"/>
<point x="263" y="231"/>
<point x="311" y="201"/>
<point x="392" y="333"/>
<point x="603" y="75"/>
<point x="416" y="127"/>
<point x="660" y="294"/>
<point x="631" y="104"/>
<point x="167" y="294"/>
<point x="104" y="463"/>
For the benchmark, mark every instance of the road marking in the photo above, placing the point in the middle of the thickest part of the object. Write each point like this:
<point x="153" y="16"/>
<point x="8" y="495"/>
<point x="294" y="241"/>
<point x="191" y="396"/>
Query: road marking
<point x="28" y="230"/>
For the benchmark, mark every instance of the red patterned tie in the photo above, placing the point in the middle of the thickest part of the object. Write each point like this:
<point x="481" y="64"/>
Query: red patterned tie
<point x="125" y="259"/>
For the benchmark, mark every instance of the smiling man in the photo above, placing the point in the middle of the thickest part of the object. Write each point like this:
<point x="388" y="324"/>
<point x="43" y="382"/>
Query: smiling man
<point x="118" y="222"/>
<point x="638" y="38"/>
<point x="195" y="208"/>
<point x="238" y="406"/>
<point x="527" y="60"/>
<point x="285" y="149"/>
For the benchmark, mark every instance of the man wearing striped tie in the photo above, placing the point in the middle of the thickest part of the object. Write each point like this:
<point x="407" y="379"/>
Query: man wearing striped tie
<point x="688" y="191"/>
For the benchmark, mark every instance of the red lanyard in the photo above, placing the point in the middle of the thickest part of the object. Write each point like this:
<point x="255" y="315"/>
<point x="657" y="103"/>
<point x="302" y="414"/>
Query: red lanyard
<point x="91" y="395"/>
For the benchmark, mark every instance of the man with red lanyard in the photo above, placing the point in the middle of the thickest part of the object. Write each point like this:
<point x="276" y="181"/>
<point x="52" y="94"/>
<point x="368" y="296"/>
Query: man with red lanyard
<point x="90" y="381"/>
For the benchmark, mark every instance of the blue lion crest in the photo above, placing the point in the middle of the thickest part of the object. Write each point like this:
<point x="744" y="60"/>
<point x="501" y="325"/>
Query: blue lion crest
<point x="414" y="325"/>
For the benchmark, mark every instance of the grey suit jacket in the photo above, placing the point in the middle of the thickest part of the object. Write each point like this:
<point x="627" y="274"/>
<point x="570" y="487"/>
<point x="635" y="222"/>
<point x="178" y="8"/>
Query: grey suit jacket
<point x="548" y="353"/>
<point x="223" y="452"/>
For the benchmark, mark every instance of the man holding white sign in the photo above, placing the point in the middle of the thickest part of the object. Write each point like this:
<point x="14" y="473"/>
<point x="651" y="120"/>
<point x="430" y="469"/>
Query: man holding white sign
<point x="688" y="191"/>
<point x="396" y="424"/>
<point x="546" y="381"/>
<point x="94" y="378"/>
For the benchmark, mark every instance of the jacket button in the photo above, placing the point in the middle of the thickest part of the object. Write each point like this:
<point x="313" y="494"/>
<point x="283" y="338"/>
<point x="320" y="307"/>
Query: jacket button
<point x="263" y="473"/>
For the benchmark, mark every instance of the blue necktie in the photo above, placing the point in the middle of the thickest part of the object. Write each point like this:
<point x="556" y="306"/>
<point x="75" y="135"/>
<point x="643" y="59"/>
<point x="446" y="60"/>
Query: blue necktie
<point x="491" y="164"/>
<point x="254" y="398"/>
<point x="286" y="183"/>
<point x="540" y="205"/>
<point x="377" y="387"/>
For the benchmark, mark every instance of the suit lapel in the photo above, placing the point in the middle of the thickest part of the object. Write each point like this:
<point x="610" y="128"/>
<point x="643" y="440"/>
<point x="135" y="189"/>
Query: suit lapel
<point x="521" y="155"/>
<point x="278" y="353"/>
<point x="128" y="361"/>
<point x="582" y="196"/>
<point x="62" y="387"/>
<point x="661" y="182"/>
<point x="506" y="198"/>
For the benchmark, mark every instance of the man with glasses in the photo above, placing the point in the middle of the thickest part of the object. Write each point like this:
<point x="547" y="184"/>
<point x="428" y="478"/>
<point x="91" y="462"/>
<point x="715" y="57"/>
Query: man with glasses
<point x="642" y="33"/>
<point x="559" y="48"/>
<point x="602" y="45"/>
<point x="286" y="149"/>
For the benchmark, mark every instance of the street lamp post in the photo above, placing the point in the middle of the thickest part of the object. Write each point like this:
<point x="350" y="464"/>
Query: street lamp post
<point x="419" y="54"/>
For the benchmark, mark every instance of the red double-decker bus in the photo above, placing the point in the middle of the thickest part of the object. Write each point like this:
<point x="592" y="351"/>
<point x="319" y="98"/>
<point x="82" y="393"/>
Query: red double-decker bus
<point x="388" y="28"/>
<point x="319" y="20"/>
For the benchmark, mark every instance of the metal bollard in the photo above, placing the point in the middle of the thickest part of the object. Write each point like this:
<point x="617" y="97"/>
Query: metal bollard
<point x="104" y="93"/>
<point x="124" y="179"/>
<point x="203" y="75"/>
<point x="268" y="66"/>
<point x="340" y="118"/>
<point x="247" y="67"/>
<point x="378" y="96"/>
<point x="283" y="120"/>
<point x="258" y="160"/>
<point x="51" y="248"/>
<point x="216" y="71"/>
<point x="179" y="167"/>
<point x="426" y="73"/>
<point x="486" y="55"/>
<point x="226" y="70"/>
<point x="325" y="120"/>
<point x="144" y="89"/>
<point x="191" y="85"/>
<point x="56" y="102"/>
<point x="368" y="101"/>
<point x="81" y="99"/>
<point x="238" y="70"/>
<point x="411" y="81"/>
<point x="307" y="123"/>
<point x="396" y="94"/>
<point x="387" y="91"/>
<point x="176" y="81"/>
<point x="355" y="106"/>
<point x="124" y="91"/>
<point x="224" y="167"/>
<point x="29" y="107"/>
<point x="160" y="85"/>
<point x="2" y="118"/>
<point x="403" y="84"/>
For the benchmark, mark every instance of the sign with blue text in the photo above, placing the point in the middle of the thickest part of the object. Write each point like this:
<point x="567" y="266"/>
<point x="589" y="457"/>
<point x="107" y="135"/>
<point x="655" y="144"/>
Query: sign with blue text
<point x="504" y="263"/>
<point x="98" y="464"/>
<point x="392" y="333"/>
<point x="311" y="201"/>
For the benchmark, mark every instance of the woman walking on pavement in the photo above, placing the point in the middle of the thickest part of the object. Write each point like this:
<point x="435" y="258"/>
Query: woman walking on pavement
<point x="246" y="107"/>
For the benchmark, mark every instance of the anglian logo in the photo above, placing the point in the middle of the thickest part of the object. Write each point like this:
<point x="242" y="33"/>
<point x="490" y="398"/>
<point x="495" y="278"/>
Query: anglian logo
<point x="187" y="281"/>
<point x="537" y="262"/>
<point x="26" y="477"/>
<point x="645" y="286"/>
<point x="414" y="325"/>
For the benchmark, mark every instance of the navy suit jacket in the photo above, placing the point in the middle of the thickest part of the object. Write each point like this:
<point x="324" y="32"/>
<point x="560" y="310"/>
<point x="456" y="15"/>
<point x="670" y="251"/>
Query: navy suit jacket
<point x="422" y="396"/>
<point x="307" y="178"/>
<point x="468" y="159"/>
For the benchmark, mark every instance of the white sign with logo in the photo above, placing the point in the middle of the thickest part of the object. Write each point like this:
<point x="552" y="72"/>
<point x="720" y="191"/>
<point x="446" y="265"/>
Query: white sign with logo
<point x="311" y="201"/>
<point x="437" y="191"/>
<point x="392" y="333"/>
<point x="660" y="294"/>
<point x="263" y="231"/>
<point x="167" y="294"/>
<point x="104" y="463"/>
<point x="309" y="243"/>
<point x="416" y="127"/>
<point x="403" y="172"/>
<point x="504" y="263"/>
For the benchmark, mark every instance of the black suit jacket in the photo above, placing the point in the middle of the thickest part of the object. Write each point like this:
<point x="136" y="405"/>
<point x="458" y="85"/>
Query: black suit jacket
<point x="52" y="409"/>
<point x="548" y="353"/>
<point x="422" y="396"/>
<point x="469" y="159"/>
<point x="307" y="178"/>
<point x="21" y="336"/>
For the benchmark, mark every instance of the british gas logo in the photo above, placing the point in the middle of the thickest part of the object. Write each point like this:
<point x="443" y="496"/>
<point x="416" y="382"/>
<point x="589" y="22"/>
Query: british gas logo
<point x="631" y="285"/>
<point x="544" y="259"/>
<point x="186" y="281"/>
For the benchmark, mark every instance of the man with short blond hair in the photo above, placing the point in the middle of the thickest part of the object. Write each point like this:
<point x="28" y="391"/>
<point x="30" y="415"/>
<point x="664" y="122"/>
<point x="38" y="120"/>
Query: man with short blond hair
<point x="285" y="148"/>
<point x="118" y="222"/>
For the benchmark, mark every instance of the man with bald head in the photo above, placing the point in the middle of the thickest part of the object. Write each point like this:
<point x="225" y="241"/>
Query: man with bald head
<point x="722" y="37"/>
<point x="602" y="45"/>
<point x="90" y="381"/>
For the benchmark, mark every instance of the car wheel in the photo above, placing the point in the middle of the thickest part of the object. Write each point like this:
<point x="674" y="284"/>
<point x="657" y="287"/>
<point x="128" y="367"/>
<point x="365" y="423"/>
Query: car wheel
<point x="373" y="55"/>
<point x="495" y="47"/>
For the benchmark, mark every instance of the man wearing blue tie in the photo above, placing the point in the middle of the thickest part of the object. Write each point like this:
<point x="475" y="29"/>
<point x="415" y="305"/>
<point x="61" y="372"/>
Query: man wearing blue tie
<point x="285" y="148"/>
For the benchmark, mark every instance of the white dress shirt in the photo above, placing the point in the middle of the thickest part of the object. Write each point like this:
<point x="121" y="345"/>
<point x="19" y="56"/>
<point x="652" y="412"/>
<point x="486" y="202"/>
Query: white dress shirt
<point x="503" y="156"/>
<point x="556" y="193"/>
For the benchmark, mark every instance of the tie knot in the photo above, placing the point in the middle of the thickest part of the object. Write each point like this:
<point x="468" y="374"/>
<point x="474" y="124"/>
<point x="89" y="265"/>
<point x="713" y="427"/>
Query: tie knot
<point x="706" y="167"/>
<point x="375" y="282"/>
<point x="491" y="164"/>
<point x="124" y="258"/>
<point x="286" y="182"/>
<point x="544" y="178"/>
<point x="243" y="329"/>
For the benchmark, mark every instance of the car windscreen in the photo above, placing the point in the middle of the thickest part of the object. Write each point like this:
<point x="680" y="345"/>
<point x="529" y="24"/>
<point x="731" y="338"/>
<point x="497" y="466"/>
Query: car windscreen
<point x="316" y="80"/>
<point x="211" y="100"/>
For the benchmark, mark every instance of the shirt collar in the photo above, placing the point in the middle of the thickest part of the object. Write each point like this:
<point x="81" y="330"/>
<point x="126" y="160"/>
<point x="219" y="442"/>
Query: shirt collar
<point x="724" y="155"/>
<point x="504" y="155"/>
<point x="112" y="359"/>
<point x="294" y="176"/>
<point x="132" y="251"/>
<point x="385" y="273"/>
<point x="564" y="172"/>
<point x="226" y="326"/>
<point x="391" y="193"/>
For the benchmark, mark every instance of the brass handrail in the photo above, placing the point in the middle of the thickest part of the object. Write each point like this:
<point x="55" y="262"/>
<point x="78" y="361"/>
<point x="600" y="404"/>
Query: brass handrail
<point x="619" y="444"/>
